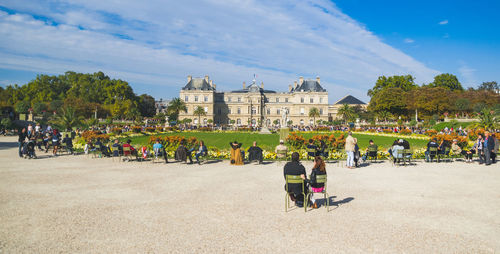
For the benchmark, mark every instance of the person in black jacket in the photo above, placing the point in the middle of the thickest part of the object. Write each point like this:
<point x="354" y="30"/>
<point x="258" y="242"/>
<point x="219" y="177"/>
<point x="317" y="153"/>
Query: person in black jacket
<point x="255" y="153"/>
<point x="488" y="147"/>
<point x="21" y="139"/>
<point x="432" y="143"/>
<point x="322" y="149"/>
<point x="294" y="167"/>
<point x="318" y="169"/>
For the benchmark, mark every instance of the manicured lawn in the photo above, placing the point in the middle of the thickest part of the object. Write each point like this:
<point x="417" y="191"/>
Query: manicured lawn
<point x="269" y="141"/>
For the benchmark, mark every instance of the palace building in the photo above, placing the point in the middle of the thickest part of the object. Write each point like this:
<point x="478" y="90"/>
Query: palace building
<point x="254" y="105"/>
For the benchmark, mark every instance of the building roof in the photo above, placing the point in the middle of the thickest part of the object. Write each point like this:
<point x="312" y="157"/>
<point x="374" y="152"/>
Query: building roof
<point x="198" y="84"/>
<point x="349" y="99"/>
<point x="309" y="86"/>
<point x="253" y="88"/>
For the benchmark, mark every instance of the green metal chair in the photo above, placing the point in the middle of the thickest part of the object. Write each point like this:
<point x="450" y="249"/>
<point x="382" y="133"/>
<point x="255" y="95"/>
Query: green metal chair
<point x="372" y="154"/>
<point x="446" y="154"/>
<point x="433" y="153"/>
<point x="311" y="151"/>
<point x="407" y="153"/>
<point x="398" y="157"/>
<point x="281" y="155"/>
<point x="320" y="179"/>
<point x="294" y="179"/>
<point x="116" y="150"/>
<point x="127" y="153"/>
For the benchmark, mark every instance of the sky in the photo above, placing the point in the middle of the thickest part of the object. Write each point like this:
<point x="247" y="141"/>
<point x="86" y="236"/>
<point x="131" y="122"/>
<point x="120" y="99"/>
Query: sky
<point x="156" y="44"/>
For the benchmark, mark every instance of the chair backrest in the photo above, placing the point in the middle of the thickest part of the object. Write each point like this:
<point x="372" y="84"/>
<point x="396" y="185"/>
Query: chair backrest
<point x="398" y="153"/>
<point x="294" y="179"/>
<point x="282" y="153"/>
<point x="311" y="150"/>
<point x="321" y="179"/>
<point x="372" y="149"/>
<point x="433" y="150"/>
<point x="406" y="152"/>
<point x="116" y="149"/>
<point x="126" y="150"/>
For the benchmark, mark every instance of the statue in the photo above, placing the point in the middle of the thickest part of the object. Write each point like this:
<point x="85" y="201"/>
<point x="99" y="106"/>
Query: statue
<point x="284" y="117"/>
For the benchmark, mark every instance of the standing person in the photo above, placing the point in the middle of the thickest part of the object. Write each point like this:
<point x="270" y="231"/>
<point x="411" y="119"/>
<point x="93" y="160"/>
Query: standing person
<point x="38" y="128"/>
<point x="318" y="169"/>
<point x="56" y="138"/>
<point x="488" y="147"/>
<point x="296" y="168"/>
<point x="350" y="146"/>
<point x="21" y="139"/>
<point x="478" y="147"/>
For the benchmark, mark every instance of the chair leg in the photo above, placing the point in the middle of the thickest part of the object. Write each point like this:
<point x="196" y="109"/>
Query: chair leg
<point x="327" y="200"/>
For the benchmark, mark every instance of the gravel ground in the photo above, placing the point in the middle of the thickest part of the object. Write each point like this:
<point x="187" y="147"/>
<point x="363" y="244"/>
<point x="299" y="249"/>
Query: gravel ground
<point x="79" y="204"/>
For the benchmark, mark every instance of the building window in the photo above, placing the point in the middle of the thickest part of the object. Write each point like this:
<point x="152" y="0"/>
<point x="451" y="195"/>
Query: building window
<point x="302" y="111"/>
<point x="196" y="98"/>
<point x="311" y="122"/>
<point x="321" y="111"/>
<point x="320" y="100"/>
<point x="219" y="111"/>
<point x="206" y="109"/>
<point x="311" y="100"/>
<point x="268" y="111"/>
<point x="239" y="99"/>
<point x="186" y="98"/>
<point x="277" y="99"/>
<point x="205" y="121"/>
<point x="238" y="121"/>
<point x="229" y="110"/>
<point x="254" y="111"/>
<point x="228" y="99"/>
<point x="301" y="121"/>
<point x="278" y="111"/>
<point x="239" y="110"/>
<point x="205" y="99"/>
<point x="286" y="99"/>
<point x="301" y="99"/>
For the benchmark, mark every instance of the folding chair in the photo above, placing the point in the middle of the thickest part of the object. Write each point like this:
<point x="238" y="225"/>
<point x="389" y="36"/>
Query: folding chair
<point x="446" y="154"/>
<point x="372" y="154"/>
<point x="116" y="150"/>
<point x="294" y="179"/>
<point x="321" y="179"/>
<point x="398" y="157"/>
<point x="407" y="155"/>
<point x="311" y="151"/>
<point x="127" y="153"/>
<point x="281" y="155"/>
<point x="433" y="153"/>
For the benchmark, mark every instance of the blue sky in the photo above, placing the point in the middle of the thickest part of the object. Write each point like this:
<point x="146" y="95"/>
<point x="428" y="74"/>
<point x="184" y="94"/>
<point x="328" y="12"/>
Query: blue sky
<point x="155" y="45"/>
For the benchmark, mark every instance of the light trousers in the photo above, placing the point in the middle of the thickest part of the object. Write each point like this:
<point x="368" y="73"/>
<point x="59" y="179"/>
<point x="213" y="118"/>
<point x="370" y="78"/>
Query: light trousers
<point x="350" y="159"/>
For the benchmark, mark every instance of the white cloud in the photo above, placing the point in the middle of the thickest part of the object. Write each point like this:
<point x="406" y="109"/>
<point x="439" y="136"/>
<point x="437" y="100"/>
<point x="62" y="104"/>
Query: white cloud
<point x="444" y="22"/>
<point x="408" y="40"/>
<point x="160" y="44"/>
<point x="468" y="75"/>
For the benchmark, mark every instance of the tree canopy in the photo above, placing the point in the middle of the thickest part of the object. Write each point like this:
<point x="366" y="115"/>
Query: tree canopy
<point x="448" y="81"/>
<point x="86" y="93"/>
<point x="405" y="83"/>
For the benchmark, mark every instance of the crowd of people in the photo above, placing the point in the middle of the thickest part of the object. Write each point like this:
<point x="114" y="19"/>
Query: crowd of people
<point x="32" y="137"/>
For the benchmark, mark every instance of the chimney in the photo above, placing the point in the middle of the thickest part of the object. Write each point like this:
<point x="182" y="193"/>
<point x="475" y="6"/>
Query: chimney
<point x="189" y="78"/>
<point x="295" y="84"/>
<point x="214" y="85"/>
<point x="244" y="85"/>
<point x="301" y="80"/>
<point x="206" y="78"/>
<point x="317" y="79"/>
<point x="289" y="88"/>
<point x="262" y="85"/>
<point x="211" y="83"/>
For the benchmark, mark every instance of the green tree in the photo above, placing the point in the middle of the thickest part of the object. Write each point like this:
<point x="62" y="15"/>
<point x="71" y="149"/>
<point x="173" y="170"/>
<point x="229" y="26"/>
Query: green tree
<point x="314" y="112"/>
<point x="67" y="119"/>
<point x="462" y="105"/>
<point x="6" y="123"/>
<point x="405" y="83"/>
<point x="147" y="105"/>
<point x="391" y="99"/>
<point x="489" y="86"/>
<point x="384" y="115"/>
<point x="39" y="108"/>
<point x="175" y="106"/>
<point x="346" y="112"/>
<point x="22" y="107"/>
<point x="487" y="120"/>
<point x="448" y="81"/>
<point x="199" y="111"/>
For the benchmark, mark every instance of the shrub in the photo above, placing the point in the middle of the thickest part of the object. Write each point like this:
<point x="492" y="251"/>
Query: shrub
<point x="150" y="129"/>
<point x="94" y="135"/>
<point x="136" y="129"/>
<point x="159" y="129"/>
<point x="405" y="132"/>
<point x="116" y="130"/>
<point x="430" y="133"/>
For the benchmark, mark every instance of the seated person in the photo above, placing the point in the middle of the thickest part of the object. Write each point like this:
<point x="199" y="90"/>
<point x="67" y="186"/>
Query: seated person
<point x="294" y="167"/>
<point x="101" y="147"/>
<point x="202" y="150"/>
<point x="236" y="154"/>
<point x="311" y="149"/>
<point x="119" y="151"/>
<point x="322" y="149"/>
<point x="157" y="148"/>
<point x="371" y="150"/>
<point x="397" y="151"/>
<point x="281" y="150"/>
<point x="318" y="169"/>
<point x="133" y="151"/>
<point x="432" y="143"/>
<point x="456" y="150"/>
<point x="69" y="143"/>
<point x="182" y="153"/>
<point x="442" y="147"/>
<point x="255" y="153"/>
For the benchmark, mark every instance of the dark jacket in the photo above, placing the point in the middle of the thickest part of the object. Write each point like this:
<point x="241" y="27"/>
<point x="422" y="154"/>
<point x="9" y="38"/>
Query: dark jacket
<point x="490" y="144"/>
<point x="22" y="137"/>
<point x="432" y="144"/>
<point x="295" y="168"/>
<point x="315" y="172"/>
<point x="254" y="153"/>
<point x="311" y="147"/>
<point x="181" y="153"/>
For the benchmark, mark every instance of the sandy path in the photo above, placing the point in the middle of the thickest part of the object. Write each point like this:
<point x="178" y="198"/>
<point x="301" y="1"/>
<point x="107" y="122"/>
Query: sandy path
<point x="80" y="204"/>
